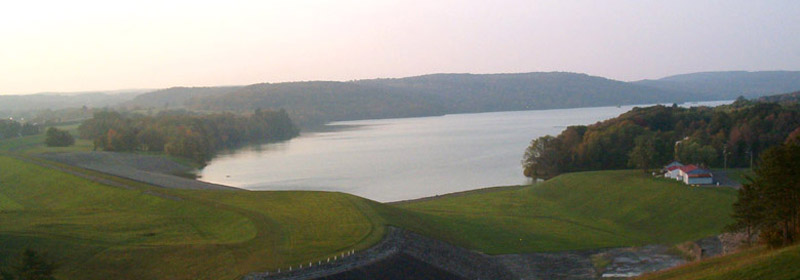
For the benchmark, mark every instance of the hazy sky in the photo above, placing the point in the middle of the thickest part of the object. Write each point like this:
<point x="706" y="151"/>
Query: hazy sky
<point x="103" y="45"/>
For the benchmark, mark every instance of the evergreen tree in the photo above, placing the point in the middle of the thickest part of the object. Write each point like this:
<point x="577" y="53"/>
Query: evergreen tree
<point x="772" y="202"/>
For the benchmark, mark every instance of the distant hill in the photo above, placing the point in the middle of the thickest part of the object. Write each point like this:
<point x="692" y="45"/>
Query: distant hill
<point x="469" y="93"/>
<point x="319" y="102"/>
<point x="55" y="101"/>
<point x="729" y="85"/>
<point x="782" y="98"/>
<point x="176" y="96"/>
<point x="311" y="103"/>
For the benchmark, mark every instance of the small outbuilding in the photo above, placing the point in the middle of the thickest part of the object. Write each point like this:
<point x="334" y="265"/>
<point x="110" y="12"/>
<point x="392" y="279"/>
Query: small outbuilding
<point x="693" y="175"/>
<point x="672" y="170"/>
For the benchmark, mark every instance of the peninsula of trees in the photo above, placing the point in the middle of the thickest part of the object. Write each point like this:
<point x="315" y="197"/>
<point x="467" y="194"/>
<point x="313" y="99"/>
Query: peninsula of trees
<point x="194" y="136"/>
<point x="731" y="135"/>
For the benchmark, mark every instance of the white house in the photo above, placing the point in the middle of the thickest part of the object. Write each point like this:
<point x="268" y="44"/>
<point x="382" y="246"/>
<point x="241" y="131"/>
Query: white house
<point x="693" y="175"/>
<point x="672" y="170"/>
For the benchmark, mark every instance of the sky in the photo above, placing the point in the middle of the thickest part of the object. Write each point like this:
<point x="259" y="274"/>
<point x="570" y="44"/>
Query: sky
<point x="68" y="46"/>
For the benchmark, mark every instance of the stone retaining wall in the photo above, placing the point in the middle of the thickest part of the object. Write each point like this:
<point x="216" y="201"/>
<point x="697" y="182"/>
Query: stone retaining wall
<point x="467" y="264"/>
<point x="439" y="254"/>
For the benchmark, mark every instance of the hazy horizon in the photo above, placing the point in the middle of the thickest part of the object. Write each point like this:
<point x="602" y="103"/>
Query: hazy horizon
<point x="134" y="90"/>
<point x="84" y="46"/>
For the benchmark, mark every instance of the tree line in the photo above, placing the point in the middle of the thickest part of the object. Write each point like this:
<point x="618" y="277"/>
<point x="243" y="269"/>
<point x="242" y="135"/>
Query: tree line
<point x="194" y="136"/>
<point x="730" y="135"/>
<point x="12" y="129"/>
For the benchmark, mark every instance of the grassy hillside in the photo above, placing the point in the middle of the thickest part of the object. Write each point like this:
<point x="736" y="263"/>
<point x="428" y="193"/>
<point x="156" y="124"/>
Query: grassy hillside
<point x="142" y="232"/>
<point x="576" y="211"/>
<point x="756" y="263"/>
<point x="136" y="231"/>
<point x="34" y="144"/>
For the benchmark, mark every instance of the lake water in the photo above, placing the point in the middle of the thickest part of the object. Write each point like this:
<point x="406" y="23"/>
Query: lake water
<point x="399" y="159"/>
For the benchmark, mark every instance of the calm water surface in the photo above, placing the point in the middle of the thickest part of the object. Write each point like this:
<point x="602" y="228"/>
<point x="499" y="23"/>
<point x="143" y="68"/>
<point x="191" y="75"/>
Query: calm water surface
<point x="398" y="159"/>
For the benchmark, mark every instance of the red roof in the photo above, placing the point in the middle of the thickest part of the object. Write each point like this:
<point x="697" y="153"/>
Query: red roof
<point x="674" y="167"/>
<point x="687" y="168"/>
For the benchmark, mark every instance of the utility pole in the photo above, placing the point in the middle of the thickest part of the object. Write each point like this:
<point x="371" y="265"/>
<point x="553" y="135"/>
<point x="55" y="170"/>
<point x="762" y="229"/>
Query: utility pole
<point x="725" y="157"/>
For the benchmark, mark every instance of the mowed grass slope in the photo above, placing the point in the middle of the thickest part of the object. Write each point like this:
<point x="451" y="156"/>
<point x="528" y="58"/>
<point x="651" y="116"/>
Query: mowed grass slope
<point x="96" y="231"/>
<point x="574" y="211"/>
<point x="756" y="263"/>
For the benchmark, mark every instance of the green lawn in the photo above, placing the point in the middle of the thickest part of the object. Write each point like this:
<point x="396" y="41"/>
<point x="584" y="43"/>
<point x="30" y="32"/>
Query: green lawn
<point x="34" y="144"/>
<point x="152" y="233"/>
<point x="575" y="211"/>
<point x="97" y="231"/>
<point x="756" y="263"/>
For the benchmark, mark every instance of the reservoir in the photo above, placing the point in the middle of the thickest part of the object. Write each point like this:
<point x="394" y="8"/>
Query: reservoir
<point x="399" y="159"/>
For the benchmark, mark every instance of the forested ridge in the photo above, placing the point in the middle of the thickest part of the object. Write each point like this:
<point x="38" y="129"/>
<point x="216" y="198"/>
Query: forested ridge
<point x="650" y="137"/>
<point x="187" y="135"/>
<point x="318" y="102"/>
<point x="727" y="85"/>
<point x="782" y="98"/>
<point x="311" y="103"/>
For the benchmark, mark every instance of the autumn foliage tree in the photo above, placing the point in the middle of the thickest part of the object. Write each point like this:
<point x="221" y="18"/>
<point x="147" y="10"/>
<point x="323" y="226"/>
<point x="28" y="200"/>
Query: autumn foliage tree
<point x="542" y="158"/>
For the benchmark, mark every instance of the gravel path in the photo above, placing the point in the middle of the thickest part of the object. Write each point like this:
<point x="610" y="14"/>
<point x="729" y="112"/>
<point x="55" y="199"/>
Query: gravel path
<point x="153" y="170"/>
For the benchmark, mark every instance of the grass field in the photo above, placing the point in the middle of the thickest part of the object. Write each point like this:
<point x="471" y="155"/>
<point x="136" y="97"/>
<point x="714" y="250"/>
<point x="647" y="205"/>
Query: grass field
<point x="97" y="231"/>
<point x="34" y="144"/>
<point x="756" y="263"/>
<point x="576" y="211"/>
<point x="153" y="233"/>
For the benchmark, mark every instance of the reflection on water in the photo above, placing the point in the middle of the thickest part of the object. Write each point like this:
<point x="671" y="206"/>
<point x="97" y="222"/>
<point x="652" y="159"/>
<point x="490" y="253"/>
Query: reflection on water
<point x="398" y="159"/>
